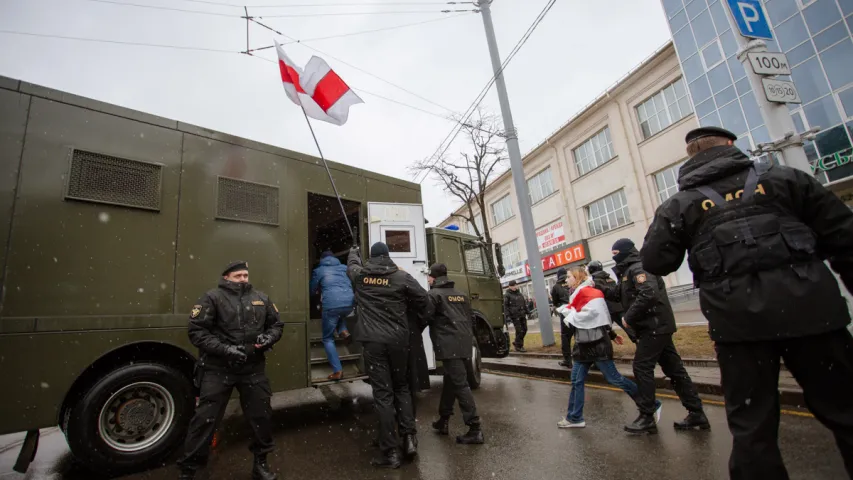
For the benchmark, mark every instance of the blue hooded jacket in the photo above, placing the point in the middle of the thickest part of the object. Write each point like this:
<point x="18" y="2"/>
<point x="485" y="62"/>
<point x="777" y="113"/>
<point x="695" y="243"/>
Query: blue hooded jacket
<point x="332" y="281"/>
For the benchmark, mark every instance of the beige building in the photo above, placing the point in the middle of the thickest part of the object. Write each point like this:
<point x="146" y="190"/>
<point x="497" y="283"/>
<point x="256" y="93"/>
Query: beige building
<point x="600" y="176"/>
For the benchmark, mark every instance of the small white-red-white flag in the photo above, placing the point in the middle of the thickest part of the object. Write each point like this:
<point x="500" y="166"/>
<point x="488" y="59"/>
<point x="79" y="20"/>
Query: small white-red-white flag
<point x="317" y="89"/>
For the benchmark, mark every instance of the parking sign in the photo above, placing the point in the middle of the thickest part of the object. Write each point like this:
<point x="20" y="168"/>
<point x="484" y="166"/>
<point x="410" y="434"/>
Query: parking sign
<point x="750" y="18"/>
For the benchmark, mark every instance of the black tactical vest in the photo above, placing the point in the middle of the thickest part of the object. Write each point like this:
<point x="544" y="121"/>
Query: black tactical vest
<point x="741" y="236"/>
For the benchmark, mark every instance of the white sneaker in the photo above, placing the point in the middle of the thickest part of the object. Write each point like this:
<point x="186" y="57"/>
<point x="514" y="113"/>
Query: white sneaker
<point x="567" y="424"/>
<point x="658" y="411"/>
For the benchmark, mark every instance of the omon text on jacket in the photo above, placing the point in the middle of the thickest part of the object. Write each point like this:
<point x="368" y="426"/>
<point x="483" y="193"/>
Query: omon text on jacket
<point x="643" y="298"/>
<point x="232" y="314"/>
<point x="331" y="279"/>
<point x="450" y="326"/>
<point x="383" y="295"/>
<point x="792" y="215"/>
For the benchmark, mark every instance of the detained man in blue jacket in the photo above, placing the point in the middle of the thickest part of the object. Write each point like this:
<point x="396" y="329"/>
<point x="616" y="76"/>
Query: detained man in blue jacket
<point x="331" y="281"/>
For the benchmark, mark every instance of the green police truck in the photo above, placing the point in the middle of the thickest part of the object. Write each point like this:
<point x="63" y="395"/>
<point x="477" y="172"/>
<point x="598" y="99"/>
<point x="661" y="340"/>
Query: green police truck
<point x="115" y="221"/>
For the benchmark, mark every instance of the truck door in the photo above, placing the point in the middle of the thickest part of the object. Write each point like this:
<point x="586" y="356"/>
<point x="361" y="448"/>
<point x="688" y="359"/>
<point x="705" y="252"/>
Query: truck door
<point x="401" y="226"/>
<point x="485" y="291"/>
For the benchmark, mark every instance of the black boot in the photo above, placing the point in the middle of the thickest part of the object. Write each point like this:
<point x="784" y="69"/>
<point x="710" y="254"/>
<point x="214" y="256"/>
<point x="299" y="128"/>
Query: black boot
<point x="692" y="421"/>
<point x="473" y="437"/>
<point x="410" y="445"/>
<point x="389" y="459"/>
<point x="643" y="424"/>
<point x="261" y="470"/>
<point x="442" y="426"/>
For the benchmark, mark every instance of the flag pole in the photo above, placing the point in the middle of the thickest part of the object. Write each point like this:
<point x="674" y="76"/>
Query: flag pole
<point x="332" y="180"/>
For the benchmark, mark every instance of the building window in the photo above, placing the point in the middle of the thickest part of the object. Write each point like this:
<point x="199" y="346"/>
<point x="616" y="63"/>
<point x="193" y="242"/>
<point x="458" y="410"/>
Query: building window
<point x="667" y="182"/>
<point x="664" y="108"/>
<point x="596" y="151"/>
<point x="510" y="252"/>
<point x="540" y="186"/>
<point x="502" y="210"/>
<point x="608" y="213"/>
<point x="479" y="220"/>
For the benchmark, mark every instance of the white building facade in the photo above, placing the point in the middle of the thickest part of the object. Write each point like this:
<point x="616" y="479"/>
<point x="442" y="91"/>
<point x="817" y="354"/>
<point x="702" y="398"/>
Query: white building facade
<point x="600" y="177"/>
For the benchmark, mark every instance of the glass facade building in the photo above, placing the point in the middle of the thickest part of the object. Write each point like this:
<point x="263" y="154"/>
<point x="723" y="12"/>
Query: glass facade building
<point x="816" y="36"/>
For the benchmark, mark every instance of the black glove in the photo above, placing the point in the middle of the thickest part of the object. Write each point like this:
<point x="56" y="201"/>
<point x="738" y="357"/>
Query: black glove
<point x="265" y="341"/>
<point x="236" y="353"/>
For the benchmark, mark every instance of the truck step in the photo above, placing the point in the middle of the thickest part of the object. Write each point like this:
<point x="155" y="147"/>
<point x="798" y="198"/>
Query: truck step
<point x="344" y="358"/>
<point x="319" y="382"/>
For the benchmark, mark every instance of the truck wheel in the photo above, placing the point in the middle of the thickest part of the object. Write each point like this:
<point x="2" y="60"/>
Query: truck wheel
<point x="473" y="367"/>
<point x="131" y="419"/>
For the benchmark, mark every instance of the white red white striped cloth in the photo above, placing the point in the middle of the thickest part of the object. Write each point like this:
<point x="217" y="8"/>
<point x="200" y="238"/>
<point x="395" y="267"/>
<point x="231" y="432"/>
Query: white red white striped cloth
<point x="317" y="89"/>
<point x="587" y="308"/>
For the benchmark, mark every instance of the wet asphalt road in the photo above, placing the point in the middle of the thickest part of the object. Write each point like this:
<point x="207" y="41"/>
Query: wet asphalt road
<point x="328" y="436"/>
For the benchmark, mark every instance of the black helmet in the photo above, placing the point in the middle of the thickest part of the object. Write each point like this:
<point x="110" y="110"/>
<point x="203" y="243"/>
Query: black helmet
<point x="594" y="266"/>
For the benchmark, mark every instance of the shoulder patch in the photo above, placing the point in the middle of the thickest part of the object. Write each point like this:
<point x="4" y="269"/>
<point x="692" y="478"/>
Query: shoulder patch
<point x="641" y="278"/>
<point x="625" y="278"/>
<point x="258" y="303"/>
<point x="196" y="311"/>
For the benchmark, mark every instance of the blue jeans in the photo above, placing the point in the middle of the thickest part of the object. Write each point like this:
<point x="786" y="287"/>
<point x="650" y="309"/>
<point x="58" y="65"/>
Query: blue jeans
<point x="333" y="319"/>
<point x="613" y="377"/>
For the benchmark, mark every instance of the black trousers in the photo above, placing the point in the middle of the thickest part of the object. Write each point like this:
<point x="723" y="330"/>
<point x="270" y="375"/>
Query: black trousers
<point x="659" y="349"/>
<point x="456" y="388"/>
<point x="821" y="364"/>
<point x="520" y="325"/>
<point x="566" y="335"/>
<point x="387" y="367"/>
<point x="216" y="388"/>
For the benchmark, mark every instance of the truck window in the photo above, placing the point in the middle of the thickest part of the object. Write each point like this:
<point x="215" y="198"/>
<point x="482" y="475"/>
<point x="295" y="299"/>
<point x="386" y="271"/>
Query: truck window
<point x="399" y="241"/>
<point x="474" y="259"/>
<point x="449" y="248"/>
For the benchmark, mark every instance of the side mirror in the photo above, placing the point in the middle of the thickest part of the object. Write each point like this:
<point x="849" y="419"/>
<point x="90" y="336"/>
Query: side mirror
<point x="500" y="259"/>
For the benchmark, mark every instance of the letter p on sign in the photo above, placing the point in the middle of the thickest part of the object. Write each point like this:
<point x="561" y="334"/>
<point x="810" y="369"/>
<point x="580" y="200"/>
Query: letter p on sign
<point x="750" y="18"/>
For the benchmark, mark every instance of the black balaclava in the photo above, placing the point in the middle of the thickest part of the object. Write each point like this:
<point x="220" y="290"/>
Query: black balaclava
<point x="624" y="246"/>
<point x="379" y="249"/>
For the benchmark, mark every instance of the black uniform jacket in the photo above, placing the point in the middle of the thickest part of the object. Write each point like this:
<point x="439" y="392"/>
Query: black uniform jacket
<point x="233" y="314"/>
<point x="450" y="327"/>
<point x="384" y="294"/>
<point x="643" y="297"/>
<point x="777" y="287"/>
<point x="560" y="294"/>
<point x="515" y="306"/>
<point x="603" y="281"/>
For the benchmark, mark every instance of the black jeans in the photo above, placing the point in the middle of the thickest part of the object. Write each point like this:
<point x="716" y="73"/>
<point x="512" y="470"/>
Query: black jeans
<point x="821" y="364"/>
<point x="216" y="388"/>
<point x="566" y="335"/>
<point x="387" y="368"/>
<point x="520" y="325"/>
<point x="456" y="388"/>
<point x="659" y="349"/>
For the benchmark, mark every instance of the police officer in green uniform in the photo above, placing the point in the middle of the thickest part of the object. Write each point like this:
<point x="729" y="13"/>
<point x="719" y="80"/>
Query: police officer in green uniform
<point x="758" y="235"/>
<point x="232" y="326"/>
<point x="452" y="334"/>
<point x="384" y="295"/>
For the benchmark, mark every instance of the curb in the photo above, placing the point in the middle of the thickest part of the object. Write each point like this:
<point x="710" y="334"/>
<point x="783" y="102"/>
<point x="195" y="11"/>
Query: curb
<point x="690" y="362"/>
<point x="788" y="397"/>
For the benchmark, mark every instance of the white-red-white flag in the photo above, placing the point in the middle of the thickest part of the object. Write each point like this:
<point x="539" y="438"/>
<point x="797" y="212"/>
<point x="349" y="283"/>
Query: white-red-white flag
<point x="317" y="89"/>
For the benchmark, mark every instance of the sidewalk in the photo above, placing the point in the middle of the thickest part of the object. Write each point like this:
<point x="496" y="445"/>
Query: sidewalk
<point x="705" y="374"/>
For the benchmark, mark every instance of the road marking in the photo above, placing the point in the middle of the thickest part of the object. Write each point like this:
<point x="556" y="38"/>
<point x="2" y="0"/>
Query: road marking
<point x="718" y="403"/>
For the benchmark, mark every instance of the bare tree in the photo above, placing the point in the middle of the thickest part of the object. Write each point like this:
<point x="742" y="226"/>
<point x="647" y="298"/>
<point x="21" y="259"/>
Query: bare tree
<point x="467" y="174"/>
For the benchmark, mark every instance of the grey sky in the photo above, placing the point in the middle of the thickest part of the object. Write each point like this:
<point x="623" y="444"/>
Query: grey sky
<point x="578" y="50"/>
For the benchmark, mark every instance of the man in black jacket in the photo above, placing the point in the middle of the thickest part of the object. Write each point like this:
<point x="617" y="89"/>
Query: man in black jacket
<point x="384" y="295"/>
<point x="649" y="314"/>
<point x="232" y="326"/>
<point x="560" y="295"/>
<point x="758" y="235"/>
<point x="515" y="310"/>
<point x="603" y="281"/>
<point x="452" y="334"/>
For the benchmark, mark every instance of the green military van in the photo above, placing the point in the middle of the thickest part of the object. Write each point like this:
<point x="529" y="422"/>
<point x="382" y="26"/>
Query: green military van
<point x="115" y="221"/>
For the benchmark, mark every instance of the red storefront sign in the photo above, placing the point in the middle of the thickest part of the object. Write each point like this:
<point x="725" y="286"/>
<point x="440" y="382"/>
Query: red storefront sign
<point x="572" y="254"/>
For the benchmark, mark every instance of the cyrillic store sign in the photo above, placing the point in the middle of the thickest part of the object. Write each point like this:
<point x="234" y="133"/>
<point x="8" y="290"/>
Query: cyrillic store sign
<point x="833" y="161"/>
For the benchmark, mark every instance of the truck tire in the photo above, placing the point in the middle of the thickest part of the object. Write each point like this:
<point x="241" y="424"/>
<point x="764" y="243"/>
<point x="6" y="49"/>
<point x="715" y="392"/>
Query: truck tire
<point x="474" y="367"/>
<point x="131" y="419"/>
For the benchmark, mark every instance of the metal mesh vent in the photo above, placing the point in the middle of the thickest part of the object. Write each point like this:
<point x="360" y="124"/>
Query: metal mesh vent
<point x="96" y="177"/>
<point x="247" y="202"/>
<point x="474" y="259"/>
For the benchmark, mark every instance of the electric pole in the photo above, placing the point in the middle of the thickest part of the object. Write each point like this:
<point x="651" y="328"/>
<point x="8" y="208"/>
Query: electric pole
<point x="534" y="259"/>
